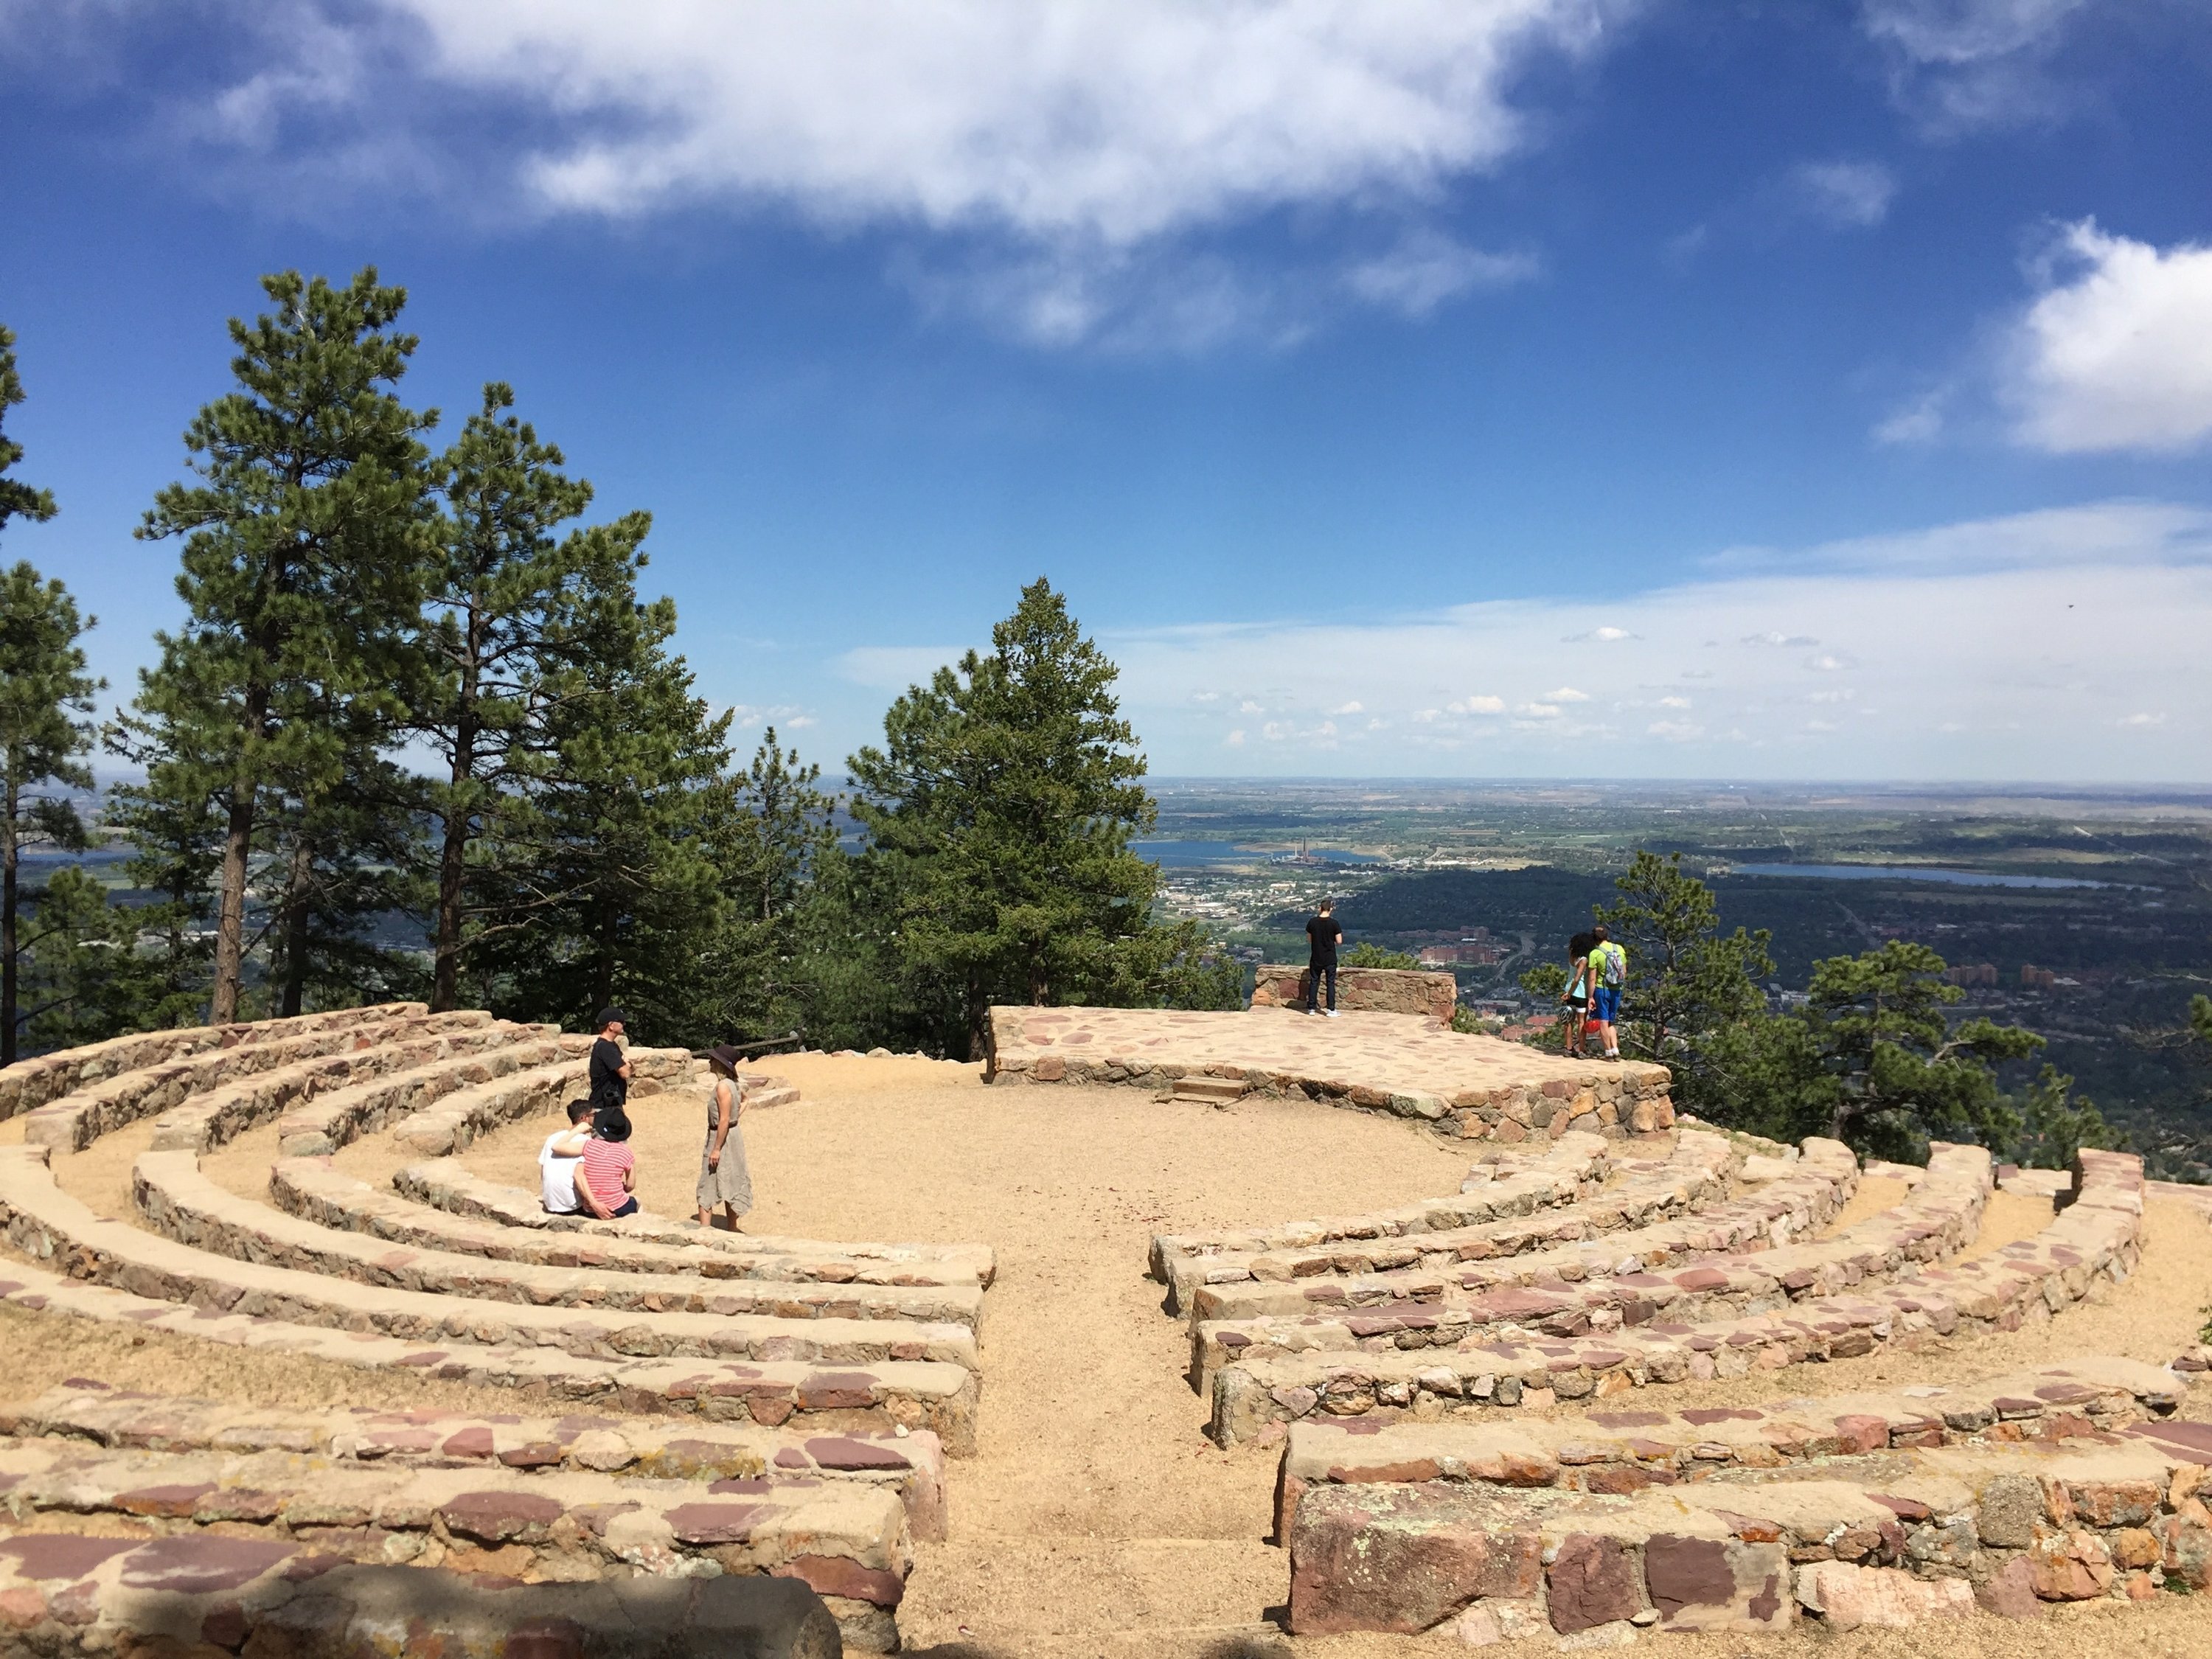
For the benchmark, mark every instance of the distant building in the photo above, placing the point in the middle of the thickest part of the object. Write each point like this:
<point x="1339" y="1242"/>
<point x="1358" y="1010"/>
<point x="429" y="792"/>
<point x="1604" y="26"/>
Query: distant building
<point x="2039" y="979"/>
<point x="1463" y="954"/>
<point x="1983" y="973"/>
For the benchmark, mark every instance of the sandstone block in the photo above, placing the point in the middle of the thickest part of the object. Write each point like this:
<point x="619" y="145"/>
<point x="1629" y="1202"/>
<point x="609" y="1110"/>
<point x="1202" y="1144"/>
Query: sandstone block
<point x="1849" y="1597"/>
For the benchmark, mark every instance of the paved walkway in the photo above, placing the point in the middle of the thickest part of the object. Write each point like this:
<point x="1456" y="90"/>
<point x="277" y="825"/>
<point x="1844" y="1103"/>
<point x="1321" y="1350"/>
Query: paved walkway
<point x="1474" y="1087"/>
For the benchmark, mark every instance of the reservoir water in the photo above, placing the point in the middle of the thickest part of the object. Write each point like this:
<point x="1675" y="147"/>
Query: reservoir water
<point x="1905" y="873"/>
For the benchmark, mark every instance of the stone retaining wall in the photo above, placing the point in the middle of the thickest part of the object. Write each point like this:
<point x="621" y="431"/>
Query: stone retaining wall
<point x="65" y="1595"/>
<point x="2097" y="1237"/>
<point x="847" y="1541"/>
<point x="453" y="1122"/>
<point x="1362" y="990"/>
<point x="911" y="1465"/>
<point x="1890" y="1537"/>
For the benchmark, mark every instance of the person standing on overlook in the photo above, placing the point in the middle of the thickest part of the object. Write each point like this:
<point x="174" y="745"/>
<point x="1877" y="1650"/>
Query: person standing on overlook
<point x="1576" y="995"/>
<point x="1609" y="976"/>
<point x="1322" y="936"/>
<point x="723" y="1177"/>
<point x="609" y="1071"/>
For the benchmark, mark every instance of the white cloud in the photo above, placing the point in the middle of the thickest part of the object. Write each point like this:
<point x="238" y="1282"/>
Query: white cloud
<point x="1112" y="121"/>
<point x="1249" y="707"/>
<point x="2116" y="352"/>
<point x="2141" y="719"/>
<point x="1918" y="422"/>
<point x="1674" y="702"/>
<point x="1352" y="708"/>
<point x="1773" y="637"/>
<point x="1426" y="269"/>
<point x="1830" y="662"/>
<point x="895" y="667"/>
<point x="1848" y="195"/>
<point x="1566" y="694"/>
<point x="1607" y="635"/>
<point x="1234" y="739"/>
<point x="1963" y="64"/>
<point x="1965" y="623"/>
<point x="1478" y="705"/>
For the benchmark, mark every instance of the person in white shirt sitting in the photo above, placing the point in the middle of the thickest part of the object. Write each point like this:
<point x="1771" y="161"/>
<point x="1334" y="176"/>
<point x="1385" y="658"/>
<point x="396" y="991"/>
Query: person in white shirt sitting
<point x="560" y="1157"/>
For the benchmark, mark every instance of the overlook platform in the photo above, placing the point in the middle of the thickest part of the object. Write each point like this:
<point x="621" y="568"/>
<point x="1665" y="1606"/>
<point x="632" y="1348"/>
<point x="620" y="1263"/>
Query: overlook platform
<point x="1470" y="1087"/>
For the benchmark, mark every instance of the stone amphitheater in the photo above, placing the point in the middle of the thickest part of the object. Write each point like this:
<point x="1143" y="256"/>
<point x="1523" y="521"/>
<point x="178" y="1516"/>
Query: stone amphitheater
<point x="300" y="1368"/>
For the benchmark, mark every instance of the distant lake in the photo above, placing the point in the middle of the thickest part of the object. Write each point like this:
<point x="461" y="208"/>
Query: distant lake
<point x="1192" y="854"/>
<point x="1905" y="873"/>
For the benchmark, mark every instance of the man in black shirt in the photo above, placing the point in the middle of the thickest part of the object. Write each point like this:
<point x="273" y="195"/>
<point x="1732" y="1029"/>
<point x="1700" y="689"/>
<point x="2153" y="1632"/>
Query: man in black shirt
<point x="609" y="1070"/>
<point x="1322" y="934"/>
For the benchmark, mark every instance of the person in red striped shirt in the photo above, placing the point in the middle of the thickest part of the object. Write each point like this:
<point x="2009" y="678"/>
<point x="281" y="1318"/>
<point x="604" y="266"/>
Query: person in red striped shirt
<point x="609" y="1171"/>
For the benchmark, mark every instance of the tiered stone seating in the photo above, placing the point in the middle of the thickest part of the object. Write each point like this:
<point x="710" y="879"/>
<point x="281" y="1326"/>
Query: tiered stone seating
<point x="1892" y="1536"/>
<point x="31" y="1083"/>
<point x="909" y="1465"/>
<point x="70" y="1593"/>
<point x="312" y="1189"/>
<point x="74" y="1120"/>
<point x="1510" y="1185"/>
<point x="336" y="1117"/>
<point x="1618" y="1453"/>
<point x="1726" y="1259"/>
<point x="48" y="1222"/>
<point x="444" y="1184"/>
<point x="1471" y="1088"/>
<point x="222" y="1114"/>
<point x="845" y="1540"/>
<point x="931" y="1367"/>
<point x="180" y="1203"/>
<point x="453" y="1122"/>
<point x="2098" y="1235"/>
<point x="1647" y="1191"/>
<point x="809" y="1395"/>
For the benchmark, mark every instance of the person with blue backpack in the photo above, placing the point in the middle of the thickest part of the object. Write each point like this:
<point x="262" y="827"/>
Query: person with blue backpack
<point x="1608" y="976"/>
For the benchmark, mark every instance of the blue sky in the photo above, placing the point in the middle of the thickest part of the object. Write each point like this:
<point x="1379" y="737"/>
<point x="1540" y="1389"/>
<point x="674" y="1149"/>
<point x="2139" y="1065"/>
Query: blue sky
<point x="1505" y="387"/>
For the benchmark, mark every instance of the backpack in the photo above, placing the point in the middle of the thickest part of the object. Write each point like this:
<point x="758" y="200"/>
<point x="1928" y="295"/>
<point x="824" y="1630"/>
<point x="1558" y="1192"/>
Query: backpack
<point x="1612" y="965"/>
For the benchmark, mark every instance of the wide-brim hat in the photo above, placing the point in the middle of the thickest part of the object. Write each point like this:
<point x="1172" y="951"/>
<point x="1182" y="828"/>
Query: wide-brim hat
<point x="725" y="1055"/>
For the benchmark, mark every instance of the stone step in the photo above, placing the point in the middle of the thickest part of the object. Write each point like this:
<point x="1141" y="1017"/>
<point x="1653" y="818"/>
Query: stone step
<point x="75" y="1120"/>
<point x="311" y="1189"/>
<point x="1618" y="1453"/>
<point x="34" y="1082"/>
<point x="453" y="1122"/>
<point x="48" y="1224"/>
<point x="1684" y="1271"/>
<point x="2095" y="1238"/>
<point x="842" y="1399"/>
<point x="222" y="1114"/>
<point x="1560" y="1175"/>
<point x="182" y="1204"/>
<point x="910" y="1465"/>
<point x="336" y="1117"/>
<point x="447" y="1185"/>
<point x="72" y="1595"/>
<point x="847" y="1541"/>
<point x="1213" y="1090"/>
<point x="1890" y="1537"/>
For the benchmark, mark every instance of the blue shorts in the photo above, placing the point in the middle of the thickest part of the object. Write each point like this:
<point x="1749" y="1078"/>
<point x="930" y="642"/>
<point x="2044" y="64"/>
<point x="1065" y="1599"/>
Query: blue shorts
<point x="1605" y="1004"/>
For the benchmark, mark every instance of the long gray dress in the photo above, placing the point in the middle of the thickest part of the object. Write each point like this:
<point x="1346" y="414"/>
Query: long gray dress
<point x="730" y="1183"/>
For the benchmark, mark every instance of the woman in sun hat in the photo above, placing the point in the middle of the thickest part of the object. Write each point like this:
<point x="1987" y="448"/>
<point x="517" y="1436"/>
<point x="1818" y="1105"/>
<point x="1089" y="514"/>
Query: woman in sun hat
<point x="723" y="1178"/>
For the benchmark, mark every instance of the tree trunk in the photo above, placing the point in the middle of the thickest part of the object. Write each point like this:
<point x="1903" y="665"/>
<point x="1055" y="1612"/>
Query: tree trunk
<point x="296" y="918"/>
<point x="230" y="910"/>
<point x="453" y="856"/>
<point x="8" y="927"/>
<point x="979" y="1023"/>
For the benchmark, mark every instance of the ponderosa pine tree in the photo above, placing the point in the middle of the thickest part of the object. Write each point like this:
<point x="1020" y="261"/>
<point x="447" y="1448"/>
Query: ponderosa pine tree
<point x="1000" y="812"/>
<point x="772" y="831"/>
<point x="17" y="499"/>
<point x="601" y="882"/>
<point x="1688" y="983"/>
<point x="304" y="543"/>
<point x="45" y="692"/>
<point x="507" y="595"/>
<point x="173" y="822"/>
